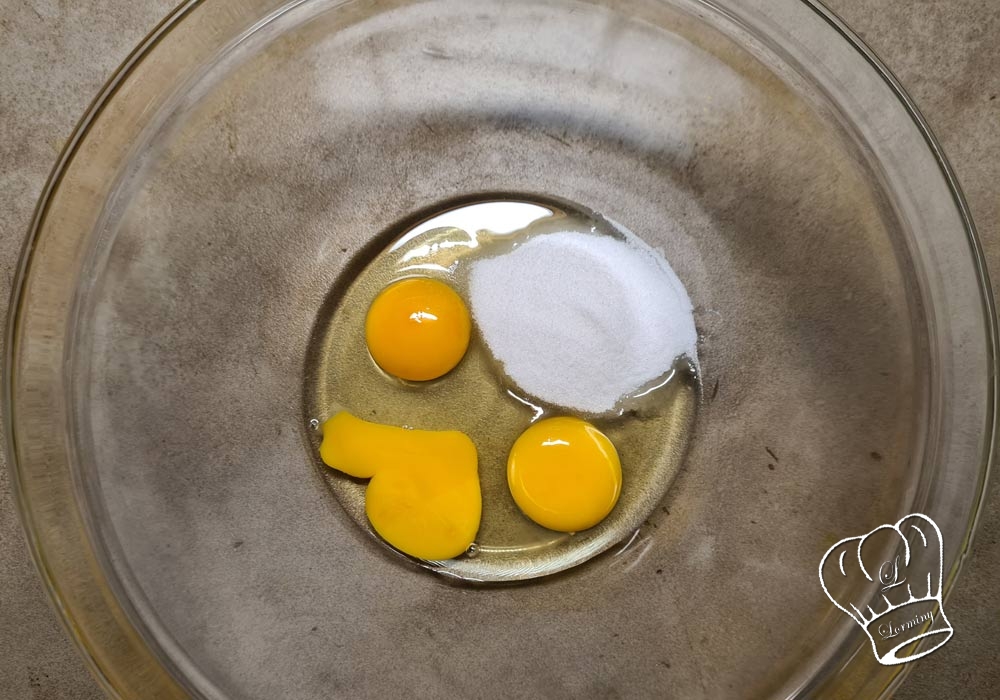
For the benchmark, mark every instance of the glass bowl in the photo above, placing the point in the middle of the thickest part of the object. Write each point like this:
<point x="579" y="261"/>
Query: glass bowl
<point x="252" y="155"/>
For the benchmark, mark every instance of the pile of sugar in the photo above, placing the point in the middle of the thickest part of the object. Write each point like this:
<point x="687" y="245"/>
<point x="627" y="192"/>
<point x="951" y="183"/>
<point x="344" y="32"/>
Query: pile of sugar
<point x="580" y="320"/>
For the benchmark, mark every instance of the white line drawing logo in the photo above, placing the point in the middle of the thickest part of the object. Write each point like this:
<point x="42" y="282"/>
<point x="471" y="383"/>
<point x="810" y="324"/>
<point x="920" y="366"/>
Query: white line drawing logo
<point x="906" y="607"/>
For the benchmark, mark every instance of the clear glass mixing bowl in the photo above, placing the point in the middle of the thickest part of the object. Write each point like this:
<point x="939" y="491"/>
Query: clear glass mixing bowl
<point x="252" y="154"/>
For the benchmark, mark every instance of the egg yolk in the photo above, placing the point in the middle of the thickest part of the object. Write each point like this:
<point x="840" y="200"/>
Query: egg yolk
<point x="564" y="474"/>
<point x="424" y="497"/>
<point x="417" y="329"/>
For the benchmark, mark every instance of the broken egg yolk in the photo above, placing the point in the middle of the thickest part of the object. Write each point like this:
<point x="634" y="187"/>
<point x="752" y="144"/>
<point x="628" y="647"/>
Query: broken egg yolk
<point x="564" y="474"/>
<point x="424" y="497"/>
<point x="417" y="329"/>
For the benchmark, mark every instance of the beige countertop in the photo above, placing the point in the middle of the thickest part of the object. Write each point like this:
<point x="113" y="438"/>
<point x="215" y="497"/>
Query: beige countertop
<point x="56" y="55"/>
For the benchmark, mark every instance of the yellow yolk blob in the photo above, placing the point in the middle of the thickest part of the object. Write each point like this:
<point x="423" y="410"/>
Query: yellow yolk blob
<point x="417" y="329"/>
<point x="423" y="497"/>
<point x="564" y="474"/>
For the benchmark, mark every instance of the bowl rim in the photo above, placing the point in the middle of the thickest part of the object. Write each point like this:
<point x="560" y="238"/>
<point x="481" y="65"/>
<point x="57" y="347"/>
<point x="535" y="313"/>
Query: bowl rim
<point x="985" y="293"/>
<point x="171" y="685"/>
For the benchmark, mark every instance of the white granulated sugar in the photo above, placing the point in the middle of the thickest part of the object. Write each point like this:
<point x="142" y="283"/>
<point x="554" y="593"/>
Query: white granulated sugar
<point x="579" y="320"/>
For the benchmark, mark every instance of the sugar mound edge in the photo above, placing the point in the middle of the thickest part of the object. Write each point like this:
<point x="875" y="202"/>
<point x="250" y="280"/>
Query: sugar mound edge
<point x="582" y="320"/>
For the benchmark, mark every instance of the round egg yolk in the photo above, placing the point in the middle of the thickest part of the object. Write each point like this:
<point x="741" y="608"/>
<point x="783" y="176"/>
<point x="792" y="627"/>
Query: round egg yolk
<point x="417" y="329"/>
<point x="564" y="474"/>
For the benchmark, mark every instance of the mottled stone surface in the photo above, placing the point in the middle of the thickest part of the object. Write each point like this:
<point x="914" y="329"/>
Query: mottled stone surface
<point x="946" y="55"/>
<point x="55" y="56"/>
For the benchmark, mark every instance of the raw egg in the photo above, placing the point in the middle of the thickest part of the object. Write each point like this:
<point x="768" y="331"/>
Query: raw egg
<point x="564" y="474"/>
<point x="424" y="497"/>
<point x="417" y="329"/>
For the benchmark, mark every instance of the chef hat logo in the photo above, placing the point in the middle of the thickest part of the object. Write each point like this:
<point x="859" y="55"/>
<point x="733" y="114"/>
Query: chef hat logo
<point x="902" y="562"/>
